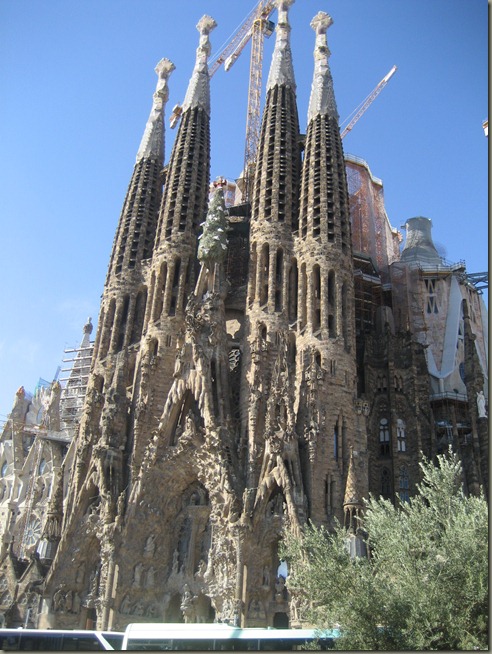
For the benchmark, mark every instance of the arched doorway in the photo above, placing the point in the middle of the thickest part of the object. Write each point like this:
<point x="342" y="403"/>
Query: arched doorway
<point x="174" y="613"/>
<point x="281" y="621"/>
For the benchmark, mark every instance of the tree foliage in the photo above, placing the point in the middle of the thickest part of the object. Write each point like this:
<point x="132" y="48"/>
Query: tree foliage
<point x="425" y="584"/>
<point x="213" y="240"/>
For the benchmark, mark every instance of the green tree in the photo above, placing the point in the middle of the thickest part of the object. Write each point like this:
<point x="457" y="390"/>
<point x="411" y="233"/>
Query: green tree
<point x="425" y="584"/>
<point x="213" y="240"/>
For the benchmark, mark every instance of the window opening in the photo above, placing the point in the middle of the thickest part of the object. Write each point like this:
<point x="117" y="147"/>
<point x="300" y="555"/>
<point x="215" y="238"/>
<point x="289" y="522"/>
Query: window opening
<point x="384" y="437"/>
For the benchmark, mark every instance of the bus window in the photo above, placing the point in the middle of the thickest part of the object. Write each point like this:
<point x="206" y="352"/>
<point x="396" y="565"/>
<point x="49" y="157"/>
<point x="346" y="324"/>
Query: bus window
<point x="56" y="640"/>
<point x="113" y="638"/>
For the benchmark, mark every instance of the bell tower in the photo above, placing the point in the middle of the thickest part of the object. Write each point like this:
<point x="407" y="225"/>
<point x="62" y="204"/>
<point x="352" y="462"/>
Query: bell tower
<point x="325" y="311"/>
<point x="173" y="268"/>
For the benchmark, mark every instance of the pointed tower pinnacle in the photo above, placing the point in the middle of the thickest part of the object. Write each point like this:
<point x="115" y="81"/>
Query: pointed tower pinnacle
<point x="322" y="99"/>
<point x="152" y="144"/>
<point x="281" y="69"/>
<point x="134" y="238"/>
<point x="353" y="507"/>
<point x="198" y="92"/>
<point x="353" y="494"/>
<point x="186" y="192"/>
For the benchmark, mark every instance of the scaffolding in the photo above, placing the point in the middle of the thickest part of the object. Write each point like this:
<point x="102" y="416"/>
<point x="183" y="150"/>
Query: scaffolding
<point x="368" y="291"/>
<point x="75" y="384"/>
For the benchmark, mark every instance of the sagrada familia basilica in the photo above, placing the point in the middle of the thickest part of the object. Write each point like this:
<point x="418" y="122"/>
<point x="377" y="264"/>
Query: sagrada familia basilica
<point x="257" y="364"/>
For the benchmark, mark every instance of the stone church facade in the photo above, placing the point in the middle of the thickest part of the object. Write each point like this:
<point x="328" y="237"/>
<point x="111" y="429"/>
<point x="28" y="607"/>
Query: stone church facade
<point x="256" y="365"/>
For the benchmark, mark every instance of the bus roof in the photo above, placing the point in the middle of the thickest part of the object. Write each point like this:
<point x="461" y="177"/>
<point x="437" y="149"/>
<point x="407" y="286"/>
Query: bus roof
<point x="193" y="631"/>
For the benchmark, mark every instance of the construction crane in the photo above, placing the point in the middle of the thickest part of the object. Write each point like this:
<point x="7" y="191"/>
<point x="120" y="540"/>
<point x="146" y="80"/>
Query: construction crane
<point x="256" y="21"/>
<point x="255" y="27"/>
<point x="479" y="280"/>
<point x="368" y="101"/>
<point x="262" y="27"/>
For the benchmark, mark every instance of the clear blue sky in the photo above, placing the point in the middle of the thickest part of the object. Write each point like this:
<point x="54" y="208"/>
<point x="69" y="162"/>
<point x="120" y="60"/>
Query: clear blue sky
<point x="77" y="78"/>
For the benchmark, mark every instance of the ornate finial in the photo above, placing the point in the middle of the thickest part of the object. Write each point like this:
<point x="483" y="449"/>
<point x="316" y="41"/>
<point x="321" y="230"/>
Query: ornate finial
<point x="219" y="182"/>
<point x="152" y="144"/>
<point x="281" y="69"/>
<point x="353" y="496"/>
<point x="205" y="25"/>
<point x="283" y="8"/>
<point x="321" y="22"/>
<point x="163" y="69"/>
<point x="88" y="327"/>
<point x="322" y="99"/>
<point x="198" y="93"/>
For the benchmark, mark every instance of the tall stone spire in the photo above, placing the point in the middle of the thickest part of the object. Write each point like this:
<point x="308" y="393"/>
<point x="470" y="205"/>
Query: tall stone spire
<point x="325" y="310"/>
<point x="275" y="190"/>
<point x="281" y="69"/>
<point x="322" y="99"/>
<point x="134" y="238"/>
<point x="171" y="275"/>
<point x="198" y="92"/>
<point x="273" y="460"/>
<point x="186" y="194"/>
<point x="99" y="474"/>
<point x="324" y="194"/>
<point x="274" y="212"/>
<point x="152" y="143"/>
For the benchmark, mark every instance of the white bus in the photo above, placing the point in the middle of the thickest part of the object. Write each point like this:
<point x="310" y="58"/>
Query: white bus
<point x="65" y="640"/>
<point x="221" y="637"/>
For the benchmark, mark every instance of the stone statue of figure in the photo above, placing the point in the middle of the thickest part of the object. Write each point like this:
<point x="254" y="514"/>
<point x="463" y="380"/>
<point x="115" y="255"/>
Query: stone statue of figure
<point x="279" y="588"/>
<point x="58" y="601"/>
<point x="202" y="568"/>
<point x="76" y="603"/>
<point x="137" y="576"/>
<point x="69" y="601"/>
<point x="187" y="605"/>
<point x="149" y="548"/>
<point x="482" y="413"/>
<point x="51" y="419"/>
<point x="190" y="427"/>
<point x="150" y="577"/>
<point x="125" y="605"/>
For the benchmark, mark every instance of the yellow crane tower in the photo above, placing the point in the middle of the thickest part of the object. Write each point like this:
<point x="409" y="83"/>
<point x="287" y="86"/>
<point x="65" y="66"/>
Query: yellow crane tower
<point x="262" y="26"/>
